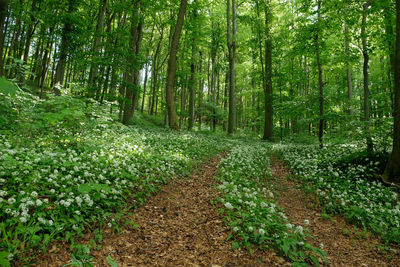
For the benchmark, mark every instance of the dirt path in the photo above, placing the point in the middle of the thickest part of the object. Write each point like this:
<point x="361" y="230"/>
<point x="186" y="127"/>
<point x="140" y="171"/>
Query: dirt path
<point x="177" y="227"/>
<point x="344" y="245"/>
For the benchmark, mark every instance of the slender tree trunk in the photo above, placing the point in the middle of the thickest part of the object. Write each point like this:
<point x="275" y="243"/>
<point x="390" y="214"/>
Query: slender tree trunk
<point x="3" y="15"/>
<point x="392" y="171"/>
<point x="349" y="82"/>
<point x="64" y="47"/>
<point x="132" y="75"/>
<point x="390" y="36"/>
<point x="154" y="76"/>
<point x="192" y="91"/>
<point x="30" y="32"/>
<point x="146" y="66"/>
<point x="3" y="53"/>
<point x="231" y="40"/>
<point x="226" y="88"/>
<point x="13" y="51"/>
<point x="45" y="63"/>
<point x="201" y="89"/>
<point x="268" y="96"/>
<point x="170" y="98"/>
<point x="320" y="80"/>
<point x="96" y="47"/>
<point x="365" y="52"/>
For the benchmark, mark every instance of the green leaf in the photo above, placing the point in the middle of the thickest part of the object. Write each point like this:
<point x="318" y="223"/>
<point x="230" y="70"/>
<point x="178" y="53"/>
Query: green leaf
<point x="235" y="245"/>
<point x="84" y="188"/>
<point x="285" y="247"/>
<point x="7" y="87"/>
<point x="111" y="261"/>
<point x="3" y="259"/>
<point x="314" y="260"/>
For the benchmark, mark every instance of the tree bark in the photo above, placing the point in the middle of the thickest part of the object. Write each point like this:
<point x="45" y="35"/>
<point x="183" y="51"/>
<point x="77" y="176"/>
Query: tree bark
<point x="154" y="76"/>
<point x="192" y="91"/>
<point x="231" y="40"/>
<point x="320" y="80"/>
<point x="65" y="43"/>
<point x="268" y="96"/>
<point x="366" y="106"/>
<point x="392" y="171"/>
<point x="349" y="81"/>
<point x="3" y="15"/>
<point x="171" y="71"/>
<point x="30" y="32"/>
<point x="146" y="74"/>
<point x="96" y="47"/>
<point x="201" y="89"/>
<point x="132" y="75"/>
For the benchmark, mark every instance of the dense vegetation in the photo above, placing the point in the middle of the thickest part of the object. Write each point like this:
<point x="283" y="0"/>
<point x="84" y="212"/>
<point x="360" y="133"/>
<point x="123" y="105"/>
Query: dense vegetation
<point x="90" y="91"/>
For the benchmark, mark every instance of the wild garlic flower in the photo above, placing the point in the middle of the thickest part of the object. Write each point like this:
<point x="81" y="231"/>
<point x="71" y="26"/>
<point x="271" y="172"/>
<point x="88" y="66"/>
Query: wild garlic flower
<point x="228" y="205"/>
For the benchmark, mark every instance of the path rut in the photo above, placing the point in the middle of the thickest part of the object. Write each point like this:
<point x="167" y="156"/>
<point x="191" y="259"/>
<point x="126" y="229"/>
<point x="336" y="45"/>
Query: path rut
<point x="179" y="226"/>
<point x="344" y="246"/>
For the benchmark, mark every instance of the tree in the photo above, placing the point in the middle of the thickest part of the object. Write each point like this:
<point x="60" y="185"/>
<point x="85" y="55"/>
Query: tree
<point x="348" y="71"/>
<point x="64" y="47"/>
<point x="231" y="42"/>
<point x="171" y="71"/>
<point x="320" y="77"/>
<point x="365" y="53"/>
<point x="132" y="72"/>
<point x="268" y="93"/>
<point x="3" y="14"/>
<point x="96" y="46"/>
<point x="192" y="91"/>
<point x="392" y="171"/>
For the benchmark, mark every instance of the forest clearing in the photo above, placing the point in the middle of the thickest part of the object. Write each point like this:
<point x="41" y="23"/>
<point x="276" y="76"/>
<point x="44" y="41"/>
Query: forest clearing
<point x="199" y="133"/>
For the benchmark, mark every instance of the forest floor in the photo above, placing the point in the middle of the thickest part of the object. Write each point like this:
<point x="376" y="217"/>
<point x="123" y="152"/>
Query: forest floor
<point x="181" y="226"/>
<point x="345" y="244"/>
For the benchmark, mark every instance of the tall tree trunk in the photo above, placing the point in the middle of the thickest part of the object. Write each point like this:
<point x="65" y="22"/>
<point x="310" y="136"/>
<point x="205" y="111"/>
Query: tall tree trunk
<point x="64" y="47"/>
<point x="389" y="23"/>
<point x="349" y="81"/>
<point x="231" y="40"/>
<point x="146" y="71"/>
<point x="192" y="91"/>
<point x="96" y="47"/>
<point x="13" y="51"/>
<point x="392" y="171"/>
<point x="132" y="75"/>
<point x="268" y="119"/>
<point x="169" y="96"/>
<point x="45" y="63"/>
<point x="320" y="80"/>
<point x="108" y="54"/>
<point x="365" y="52"/>
<point x="201" y="89"/>
<point x="226" y="88"/>
<point x="3" y="15"/>
<point x="30" y="32"/>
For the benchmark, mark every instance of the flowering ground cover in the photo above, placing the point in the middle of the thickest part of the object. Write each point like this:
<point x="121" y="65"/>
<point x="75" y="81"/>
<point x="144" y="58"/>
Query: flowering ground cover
<point x="58" y="187"/>
<point x="343" y="178"/>
<point x="250" y="210"/>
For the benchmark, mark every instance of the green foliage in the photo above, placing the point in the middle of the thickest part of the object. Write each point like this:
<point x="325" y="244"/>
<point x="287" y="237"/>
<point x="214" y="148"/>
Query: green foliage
<point x="343" y="177"/>
<point x="7" y="88"/>
<point x="50" y="191"/>
<point x="249" y="208"/>
<point x="111" y="261"/>
<point x="8" y="112"/>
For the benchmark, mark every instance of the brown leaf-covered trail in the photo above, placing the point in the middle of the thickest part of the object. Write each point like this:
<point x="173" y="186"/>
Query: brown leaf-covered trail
<point x="177" y="227"/>
<point x="344" y="245"/>
<point x="180" y="226"/>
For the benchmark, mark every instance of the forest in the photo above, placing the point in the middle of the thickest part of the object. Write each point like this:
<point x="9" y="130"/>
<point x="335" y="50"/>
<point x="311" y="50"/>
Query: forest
<point x="199" y="133"/>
